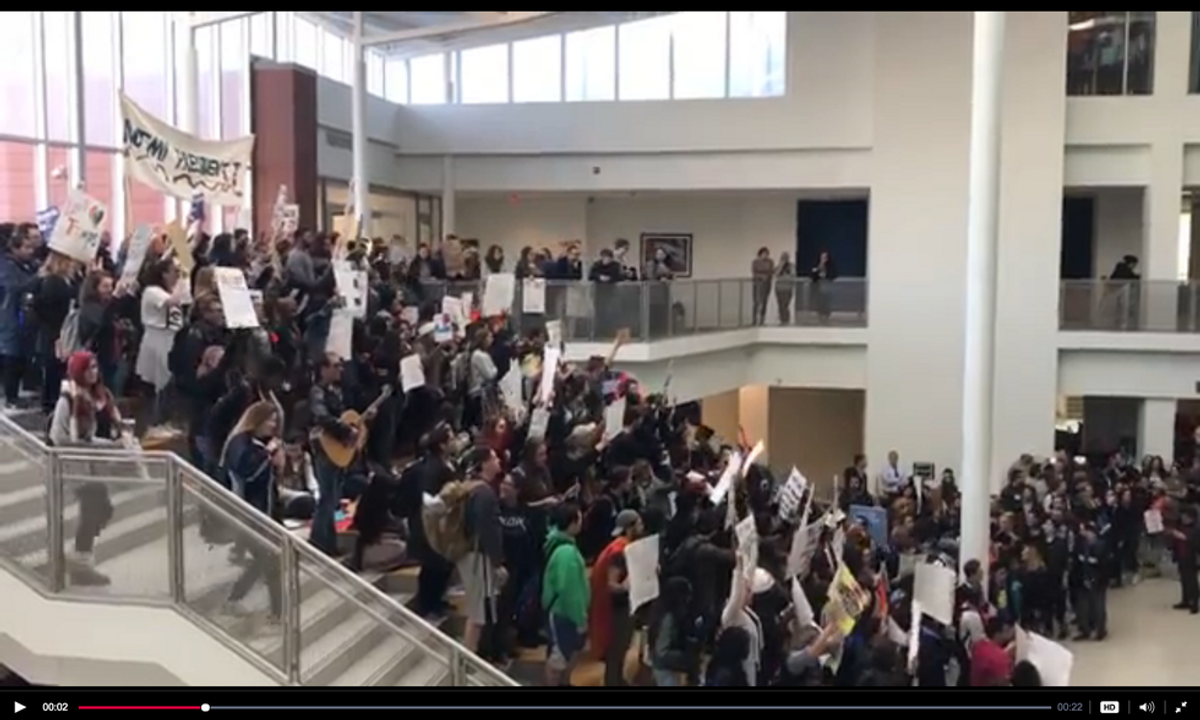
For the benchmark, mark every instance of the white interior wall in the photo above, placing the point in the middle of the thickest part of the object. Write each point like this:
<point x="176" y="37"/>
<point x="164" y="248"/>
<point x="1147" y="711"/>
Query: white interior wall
<point x="916" y="328"/>
<point x="1029" y="242"/>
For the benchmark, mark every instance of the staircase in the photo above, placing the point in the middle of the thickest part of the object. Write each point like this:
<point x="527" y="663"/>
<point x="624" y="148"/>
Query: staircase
<point x="335" y="628"/>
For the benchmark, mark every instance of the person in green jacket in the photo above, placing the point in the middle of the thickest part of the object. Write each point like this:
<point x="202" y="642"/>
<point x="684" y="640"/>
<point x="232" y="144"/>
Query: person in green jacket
<point x="566" y="593"/>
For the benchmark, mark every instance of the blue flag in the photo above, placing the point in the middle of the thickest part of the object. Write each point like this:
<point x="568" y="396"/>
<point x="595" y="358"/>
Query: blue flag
<point x="196" y="213"/>
<point x="46" y="220"/>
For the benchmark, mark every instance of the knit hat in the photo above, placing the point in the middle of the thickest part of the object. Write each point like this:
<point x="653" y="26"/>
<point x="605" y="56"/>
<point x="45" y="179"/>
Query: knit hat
<point x="78" y="365"/>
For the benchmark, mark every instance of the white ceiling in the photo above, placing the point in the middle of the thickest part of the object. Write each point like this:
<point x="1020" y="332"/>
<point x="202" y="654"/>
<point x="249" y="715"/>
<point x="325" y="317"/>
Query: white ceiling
<point x="463" y="28"/>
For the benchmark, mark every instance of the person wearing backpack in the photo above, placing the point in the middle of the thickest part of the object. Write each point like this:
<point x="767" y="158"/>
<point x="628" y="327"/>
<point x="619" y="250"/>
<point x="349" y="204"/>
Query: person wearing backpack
<point x="566" y="593"/>
<point x="481" y="568"/>
<point x="86" y="415"/>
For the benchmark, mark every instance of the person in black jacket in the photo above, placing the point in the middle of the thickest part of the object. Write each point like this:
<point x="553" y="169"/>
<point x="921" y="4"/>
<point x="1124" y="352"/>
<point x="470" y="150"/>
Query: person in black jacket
<point x="53" y="294"/>
<point x="1187" y="548"/>
<point x="1091" y="598"/>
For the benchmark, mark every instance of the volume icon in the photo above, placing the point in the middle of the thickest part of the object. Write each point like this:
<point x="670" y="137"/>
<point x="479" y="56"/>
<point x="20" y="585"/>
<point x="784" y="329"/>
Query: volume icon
<point x="1146" y="707"/>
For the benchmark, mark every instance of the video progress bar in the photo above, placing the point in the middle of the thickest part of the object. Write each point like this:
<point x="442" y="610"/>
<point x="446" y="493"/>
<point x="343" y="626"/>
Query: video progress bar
<point x="636" y="707"/>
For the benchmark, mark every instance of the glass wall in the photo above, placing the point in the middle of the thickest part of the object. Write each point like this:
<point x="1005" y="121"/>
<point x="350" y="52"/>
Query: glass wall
<point x="1110" y="53"/>
<point x="686" y="55"/>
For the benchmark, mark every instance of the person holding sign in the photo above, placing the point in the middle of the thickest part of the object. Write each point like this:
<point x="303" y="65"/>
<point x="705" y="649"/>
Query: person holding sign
<point x="610" y="622"/>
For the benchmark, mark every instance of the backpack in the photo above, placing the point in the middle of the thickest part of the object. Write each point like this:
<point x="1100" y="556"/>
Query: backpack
<point x="175" y="355"/>
<point x="446" y="527"/>
<point x="68" y="342"/>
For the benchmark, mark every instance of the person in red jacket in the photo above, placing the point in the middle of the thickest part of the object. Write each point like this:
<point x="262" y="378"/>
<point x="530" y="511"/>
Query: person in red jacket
<point x="610" y="622"/>
<point x="992" y="657"/>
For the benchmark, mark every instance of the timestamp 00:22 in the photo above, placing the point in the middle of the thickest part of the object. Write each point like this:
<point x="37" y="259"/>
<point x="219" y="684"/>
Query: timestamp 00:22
<point x="1071" y="707"/>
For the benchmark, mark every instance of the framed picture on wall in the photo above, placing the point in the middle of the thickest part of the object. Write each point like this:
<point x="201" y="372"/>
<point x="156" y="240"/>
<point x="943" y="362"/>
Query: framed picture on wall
<point x="677" y="247"/>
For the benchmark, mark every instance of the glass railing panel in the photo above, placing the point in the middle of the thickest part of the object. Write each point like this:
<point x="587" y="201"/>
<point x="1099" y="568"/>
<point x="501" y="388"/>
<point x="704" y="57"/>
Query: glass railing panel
<point x="24" y="528"/>
<point x="1129" y="306"/>
<point x="232" y="569"/>
<point x="114" y="521"/>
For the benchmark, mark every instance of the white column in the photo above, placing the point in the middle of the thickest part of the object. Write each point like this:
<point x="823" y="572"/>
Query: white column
<point x="448" y="212"/>
<point x="982" y="202"/>
<point x="358" y="120"/>
<point x="41" y="151"/>
<point x="1164" y="192"/>
<point x="1156" y="428"/>
<point x="76" y="123"/>
<point x="189" y="86"/>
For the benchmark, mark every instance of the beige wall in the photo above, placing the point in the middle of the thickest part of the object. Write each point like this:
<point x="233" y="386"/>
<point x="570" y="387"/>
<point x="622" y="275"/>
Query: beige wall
<point x="818" y="431"/>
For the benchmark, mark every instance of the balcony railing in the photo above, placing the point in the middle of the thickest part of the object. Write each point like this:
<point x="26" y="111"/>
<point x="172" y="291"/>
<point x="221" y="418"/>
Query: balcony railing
<point x="681" y="308"/>
<point x="150" y="510"/>
<point x="1162" y="306"/>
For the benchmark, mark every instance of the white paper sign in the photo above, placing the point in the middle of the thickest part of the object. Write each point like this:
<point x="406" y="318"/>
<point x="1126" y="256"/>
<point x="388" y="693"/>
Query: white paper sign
<point x="752" y="458"/>
<point x="512" y="389"/>
<point x="805" y="541"/>
<point x="443" y="328"/>
<point x="538" y="422"/>
<point x="183" y="165"/>
<point x="412" y="373"/>
<point x="933" y="588"/>
<point x="136" y="254"/>
<point x="550" y="359"/>
<point x="791" y="495"/>
<point x="352" y="287"/>
<point x="1154" y="522"/>
<point x="77" y="232"/>
<point x="914" y="636"/>
<point x="498" y="291"/>
<point x="235" y="298"/>
<point x="614" y="418"/>
<point x="727" y="477"/>
<point x="453" y="307"/>
<point x="554" y="333"/>
<point x="641" y="561"/>
<point x="533" y="296"/>
<point x="1053" y="661"/>
<point x="801" y="607"/>
<point x="341" y="334"/>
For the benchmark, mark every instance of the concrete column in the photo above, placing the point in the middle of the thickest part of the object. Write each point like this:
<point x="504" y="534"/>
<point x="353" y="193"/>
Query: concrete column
<point x="77" y="158"/>
<point x="189" y="84"/>
<point x="1194" y="246"/>
<point x="982" y="211"/>
<point x="1027" y="271"/>
<point x="448" y="210"/>
<point x="1164" y="191"/>
<point x="1156" y="428"/>
<point x="41" y="151"/>
<point x="358" y="114"/>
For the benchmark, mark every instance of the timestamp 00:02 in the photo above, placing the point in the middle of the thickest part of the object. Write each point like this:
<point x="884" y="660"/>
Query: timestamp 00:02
<point x="55" y="707"/>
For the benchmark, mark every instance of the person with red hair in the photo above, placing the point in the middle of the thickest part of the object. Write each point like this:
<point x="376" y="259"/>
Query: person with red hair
<point x="86" y="414"/>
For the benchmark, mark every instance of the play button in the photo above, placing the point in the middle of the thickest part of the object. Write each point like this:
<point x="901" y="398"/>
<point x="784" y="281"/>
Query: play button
<point x="17" y="707"/>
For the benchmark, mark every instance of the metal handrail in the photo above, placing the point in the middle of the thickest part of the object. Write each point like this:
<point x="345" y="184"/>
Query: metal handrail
<point x="250" y="520"/>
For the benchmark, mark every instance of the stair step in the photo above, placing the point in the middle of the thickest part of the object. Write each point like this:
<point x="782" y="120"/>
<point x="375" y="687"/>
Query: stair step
<point x="324" y="660"/>
<point x="430" y="672"/>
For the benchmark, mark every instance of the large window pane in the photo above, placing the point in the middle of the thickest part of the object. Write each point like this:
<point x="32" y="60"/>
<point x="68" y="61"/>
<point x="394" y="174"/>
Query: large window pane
<point x="145" y="62"/>
<point x="592" y="64"/>
<point x="16" y="80"/>
<point x="395" y="79"/>
<point x="484" y="75"/>
<point x="17" y="194"/>
<point x="285" y="35"/>
<point x="757" y="54"/>
<point x="98" y="164"/>
<point x="645" y="62"/>
<point x="208" y="65"/>
<point x="100" y="87"/>
<point x="374" y="73"/>
<point x="427" y="79"/>
<point x="58" y="160"/>
<point x="304" y="48"/>
<point x="235" y="74"/>
<point x="1110" y="53"/>
<point x="333" y="61"/>
<point x="537" y="69"/>
<point x="262" y="30"/>
<point x="59" y="32"/>
<point x="698" y="47"/>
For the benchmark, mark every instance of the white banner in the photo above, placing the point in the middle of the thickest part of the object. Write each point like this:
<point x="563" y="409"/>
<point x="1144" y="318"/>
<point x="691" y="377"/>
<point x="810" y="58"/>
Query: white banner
<point x="183" y="165"/>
